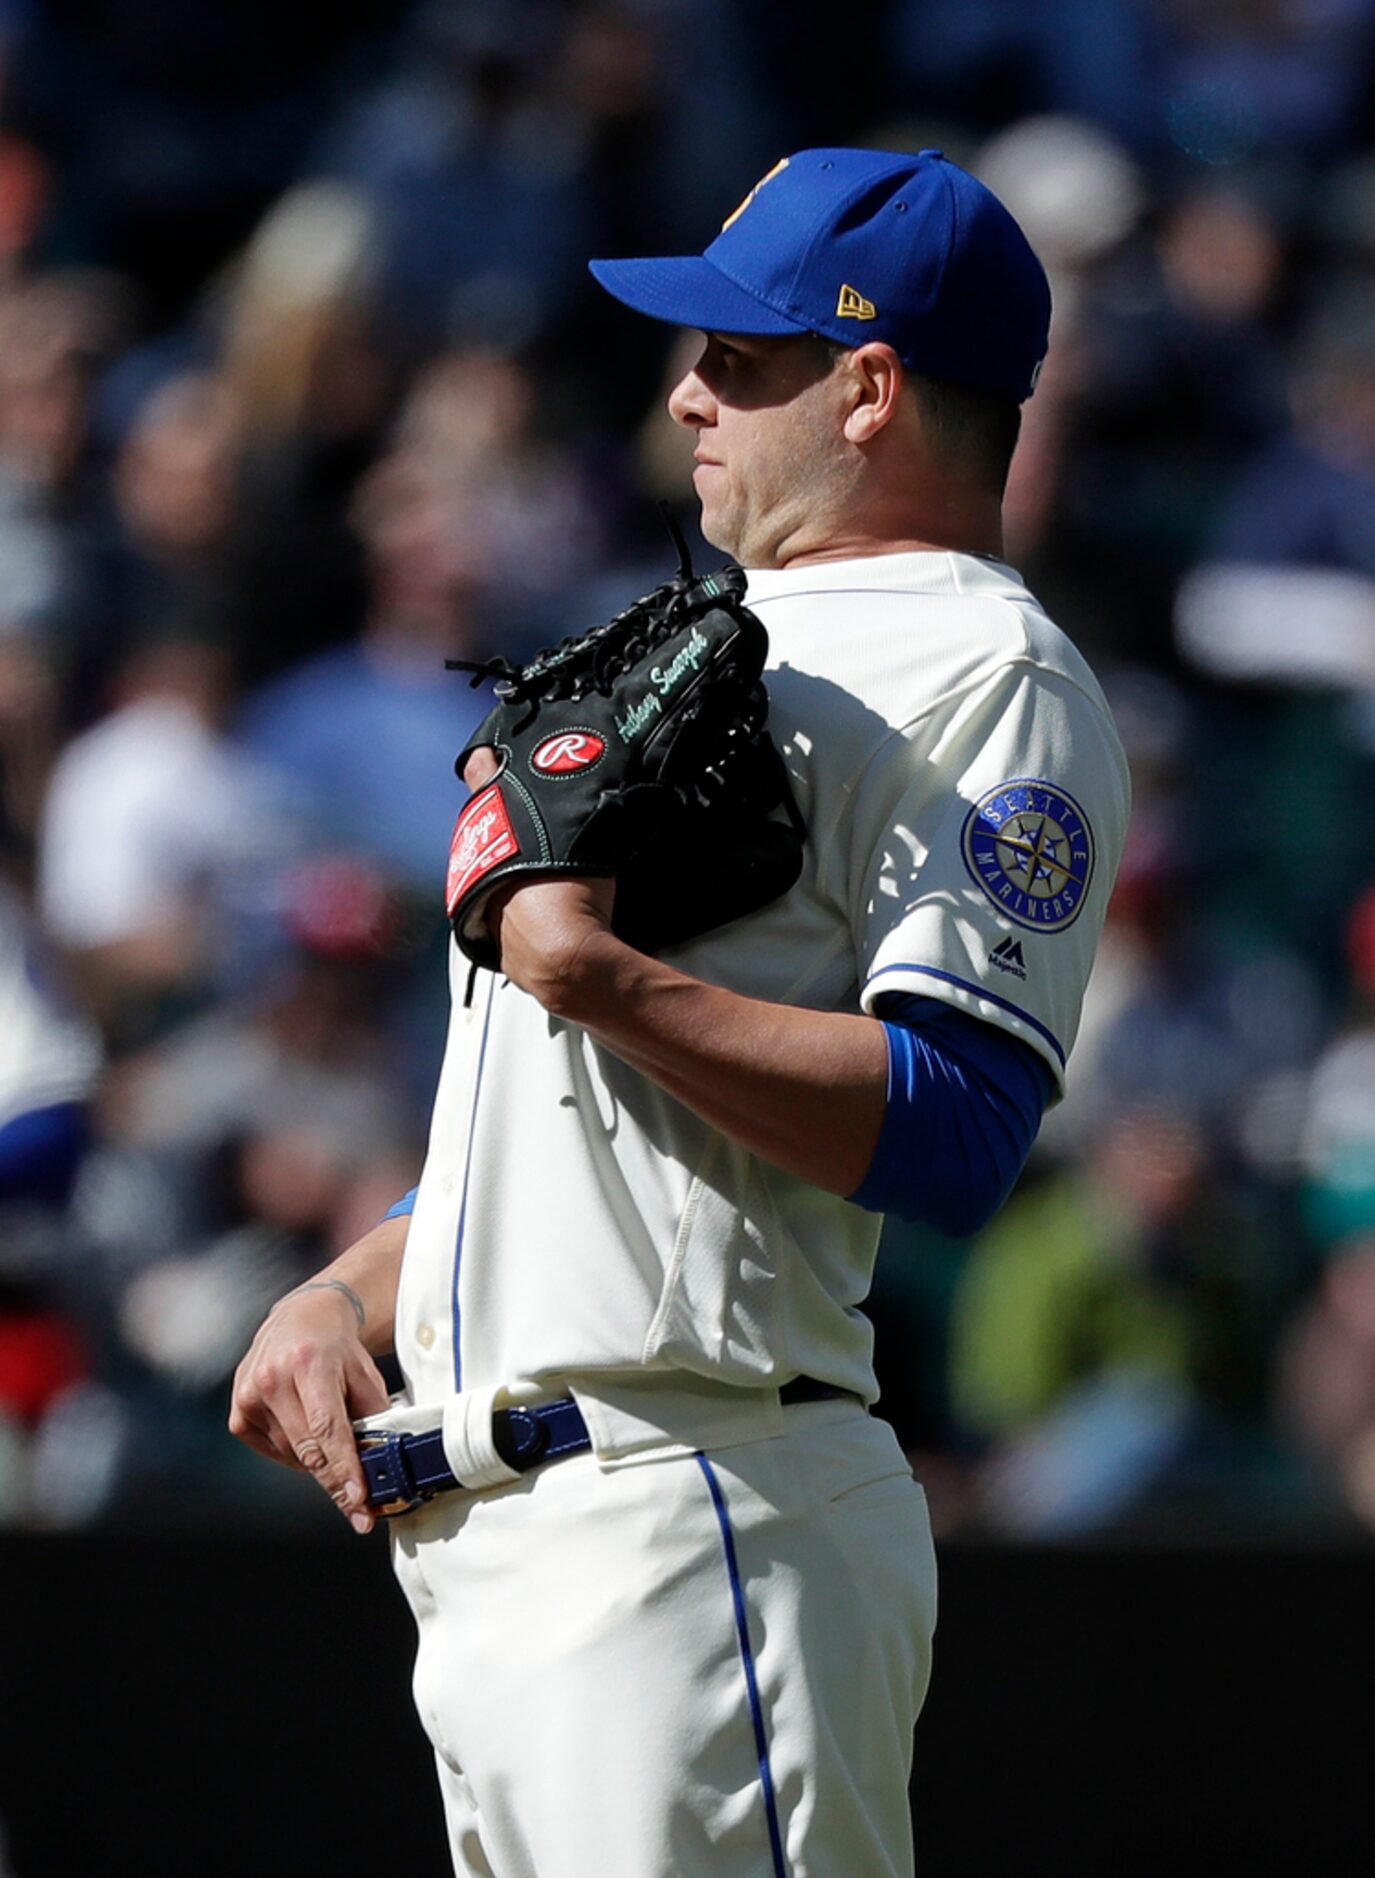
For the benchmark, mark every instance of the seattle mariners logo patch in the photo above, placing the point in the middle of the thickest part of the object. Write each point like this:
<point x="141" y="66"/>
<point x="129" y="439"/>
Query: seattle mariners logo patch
<point x="1030" y="847"/>
<point x="483" y="835"/>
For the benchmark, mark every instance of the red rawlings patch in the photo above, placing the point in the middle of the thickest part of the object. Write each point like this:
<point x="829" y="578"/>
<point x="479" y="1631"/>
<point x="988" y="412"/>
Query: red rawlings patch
<point x="567" y="751"/>
<point x="483" y="837"/>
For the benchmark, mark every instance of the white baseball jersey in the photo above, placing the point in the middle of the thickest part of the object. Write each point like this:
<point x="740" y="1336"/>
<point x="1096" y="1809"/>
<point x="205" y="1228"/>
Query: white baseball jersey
<point x="966" y="799"/>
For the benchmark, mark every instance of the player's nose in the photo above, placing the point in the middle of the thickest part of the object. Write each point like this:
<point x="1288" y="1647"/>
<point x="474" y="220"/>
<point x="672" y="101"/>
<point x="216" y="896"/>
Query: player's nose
<point x="690" y="402"/>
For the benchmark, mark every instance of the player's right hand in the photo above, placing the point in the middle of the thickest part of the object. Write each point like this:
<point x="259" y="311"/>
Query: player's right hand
<point x="305" y="1378"/>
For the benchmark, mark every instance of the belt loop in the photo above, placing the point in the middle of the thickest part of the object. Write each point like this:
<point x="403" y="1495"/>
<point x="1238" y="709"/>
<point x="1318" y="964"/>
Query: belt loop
<point x="469" y="1446"/>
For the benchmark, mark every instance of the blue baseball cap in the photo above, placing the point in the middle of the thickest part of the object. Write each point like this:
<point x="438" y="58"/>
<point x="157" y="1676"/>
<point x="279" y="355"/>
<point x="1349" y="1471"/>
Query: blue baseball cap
<point x="865" y="244"/>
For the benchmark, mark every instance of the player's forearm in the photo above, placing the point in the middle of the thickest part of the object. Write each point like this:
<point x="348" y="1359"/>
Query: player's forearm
<point x="365" y="1277"/>
<point x="805" y="1090"/>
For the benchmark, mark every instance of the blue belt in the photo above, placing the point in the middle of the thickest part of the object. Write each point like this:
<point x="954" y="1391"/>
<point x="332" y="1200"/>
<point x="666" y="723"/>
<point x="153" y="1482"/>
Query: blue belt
<point x="402" y="1471"/>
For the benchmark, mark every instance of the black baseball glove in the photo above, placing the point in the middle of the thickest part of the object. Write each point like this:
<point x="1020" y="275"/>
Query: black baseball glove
<point x="637" y="750"/>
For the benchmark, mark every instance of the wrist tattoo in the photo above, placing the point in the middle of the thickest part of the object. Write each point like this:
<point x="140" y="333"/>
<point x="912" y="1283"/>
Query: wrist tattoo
<point x="337" y="1284"/>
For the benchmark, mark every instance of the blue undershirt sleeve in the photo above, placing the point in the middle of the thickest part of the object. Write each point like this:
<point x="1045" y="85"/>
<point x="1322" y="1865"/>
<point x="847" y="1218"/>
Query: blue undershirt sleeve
<point x="965" y="1100"/>
<point x="403" y="1208"/>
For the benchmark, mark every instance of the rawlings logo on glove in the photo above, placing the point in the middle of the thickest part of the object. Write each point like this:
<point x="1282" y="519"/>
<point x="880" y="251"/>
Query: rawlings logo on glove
<point x="636" y="751"/>
<point x="483" y="837"/>
<point x="568" y="752"/>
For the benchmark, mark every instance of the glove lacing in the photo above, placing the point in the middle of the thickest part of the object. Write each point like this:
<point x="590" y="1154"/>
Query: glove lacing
<point x="595" y="659"/>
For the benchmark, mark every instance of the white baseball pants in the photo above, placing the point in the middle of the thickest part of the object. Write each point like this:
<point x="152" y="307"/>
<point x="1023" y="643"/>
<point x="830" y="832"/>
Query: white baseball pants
<point x="692" y="1667"/>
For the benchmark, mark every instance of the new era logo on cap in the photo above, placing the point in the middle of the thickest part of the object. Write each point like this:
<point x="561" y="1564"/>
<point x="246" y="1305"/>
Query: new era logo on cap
<point x="948" y="278"/>
<point x="853" y="306"/>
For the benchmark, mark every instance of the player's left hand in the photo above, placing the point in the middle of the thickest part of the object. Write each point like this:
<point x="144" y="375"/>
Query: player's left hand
<point x="544" y="928"/>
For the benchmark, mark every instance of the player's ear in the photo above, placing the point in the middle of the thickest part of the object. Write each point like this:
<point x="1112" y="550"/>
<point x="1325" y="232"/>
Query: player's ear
<point x="876" y="380"/>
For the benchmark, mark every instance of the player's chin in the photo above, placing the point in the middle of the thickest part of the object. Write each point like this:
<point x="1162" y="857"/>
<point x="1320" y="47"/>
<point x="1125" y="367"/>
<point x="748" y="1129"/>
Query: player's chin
<point x="717" y="525"/>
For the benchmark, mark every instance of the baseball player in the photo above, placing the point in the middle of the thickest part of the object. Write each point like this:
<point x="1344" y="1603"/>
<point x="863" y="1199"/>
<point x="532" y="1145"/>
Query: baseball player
<point x="673" y="1580"/>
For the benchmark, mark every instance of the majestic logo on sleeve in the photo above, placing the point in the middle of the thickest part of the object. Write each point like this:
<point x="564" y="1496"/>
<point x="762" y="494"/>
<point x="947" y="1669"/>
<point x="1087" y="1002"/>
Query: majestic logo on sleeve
<point x="483" y="836"/>
<point x="1009" y="957"/>
<point x="1030" y="847"/>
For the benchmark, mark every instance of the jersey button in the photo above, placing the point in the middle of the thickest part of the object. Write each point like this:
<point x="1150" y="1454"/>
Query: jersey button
<point x="424" y="1336"/>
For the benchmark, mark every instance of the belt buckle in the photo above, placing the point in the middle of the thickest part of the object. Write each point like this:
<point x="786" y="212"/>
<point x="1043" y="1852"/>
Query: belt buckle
<point x="388" y="1471"/>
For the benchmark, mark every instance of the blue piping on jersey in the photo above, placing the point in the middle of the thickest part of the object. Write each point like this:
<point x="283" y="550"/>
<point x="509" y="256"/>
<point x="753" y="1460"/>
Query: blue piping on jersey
<point x="467" y="1170"/>
<point x="737" y="1592"/>
<point x="980" y="991"/>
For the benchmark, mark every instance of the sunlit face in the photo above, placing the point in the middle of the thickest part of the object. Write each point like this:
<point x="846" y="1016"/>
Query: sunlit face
<point x="768" y="417"/>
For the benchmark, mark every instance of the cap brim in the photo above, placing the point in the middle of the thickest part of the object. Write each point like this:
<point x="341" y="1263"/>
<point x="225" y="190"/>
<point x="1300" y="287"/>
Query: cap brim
<point x="689" y="290"/>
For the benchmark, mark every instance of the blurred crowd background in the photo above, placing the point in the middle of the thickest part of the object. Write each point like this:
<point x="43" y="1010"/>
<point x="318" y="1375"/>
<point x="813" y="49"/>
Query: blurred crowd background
<point x="304" y="388"/>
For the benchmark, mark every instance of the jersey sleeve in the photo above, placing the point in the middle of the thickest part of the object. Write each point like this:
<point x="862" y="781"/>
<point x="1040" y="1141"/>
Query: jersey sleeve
<point x="986" y="844"/>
